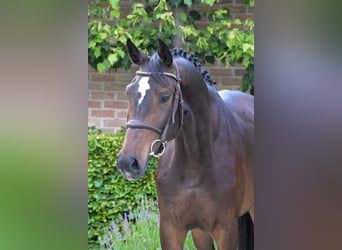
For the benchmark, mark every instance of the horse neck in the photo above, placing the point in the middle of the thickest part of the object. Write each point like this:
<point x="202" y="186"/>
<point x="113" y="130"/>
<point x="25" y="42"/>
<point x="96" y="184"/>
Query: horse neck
<point x="200" y="127"/>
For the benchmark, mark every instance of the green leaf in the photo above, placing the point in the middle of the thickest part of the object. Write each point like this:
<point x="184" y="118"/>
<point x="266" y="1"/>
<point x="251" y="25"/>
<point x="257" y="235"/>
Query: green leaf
<point x="114" y="3"/>
<point x="245" y="47"/>
<point x="120" y="52"/>
<point x="91" y="44"/>
<point x="97" y="52"/>
<point x="237" y="21"/>
<point x="188" y="3"/>
<point x="101" y="67"/>
<point x="112" y="58"/>
<point x="162" y="6"/>
<point x="107" y="65"/>
<point x="246" y="62"/>
<point x="102" y="36"/>
<point x="182" y="16"/>
<point x="98" y="183"/>
<point x="115" y="13"/>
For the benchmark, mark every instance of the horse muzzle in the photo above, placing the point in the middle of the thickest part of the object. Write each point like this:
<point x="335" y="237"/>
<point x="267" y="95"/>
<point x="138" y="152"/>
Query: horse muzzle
<point x="130" y="168"/>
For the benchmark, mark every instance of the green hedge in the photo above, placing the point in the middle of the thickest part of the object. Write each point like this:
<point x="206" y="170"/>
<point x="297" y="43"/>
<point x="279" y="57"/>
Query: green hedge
<point x="109" y="194"/>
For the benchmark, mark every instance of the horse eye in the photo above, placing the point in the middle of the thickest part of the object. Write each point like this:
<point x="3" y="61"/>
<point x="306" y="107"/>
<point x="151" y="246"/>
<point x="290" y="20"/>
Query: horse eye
<point x="164" y="98"/>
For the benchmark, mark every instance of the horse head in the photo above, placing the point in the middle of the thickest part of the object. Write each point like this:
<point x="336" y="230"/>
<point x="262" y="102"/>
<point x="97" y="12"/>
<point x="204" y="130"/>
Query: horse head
<point x="154" y="97"/>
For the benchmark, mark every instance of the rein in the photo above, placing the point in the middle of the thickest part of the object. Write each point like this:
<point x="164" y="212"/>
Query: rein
<point x="178" y="100"/>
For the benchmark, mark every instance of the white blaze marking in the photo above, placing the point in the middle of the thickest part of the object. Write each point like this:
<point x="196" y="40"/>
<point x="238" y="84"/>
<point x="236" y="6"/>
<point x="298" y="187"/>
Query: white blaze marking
<point x="143" y="87"/>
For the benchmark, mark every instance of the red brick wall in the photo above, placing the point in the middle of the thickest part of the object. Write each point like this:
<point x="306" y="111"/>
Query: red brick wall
<point x="107" y="104"/>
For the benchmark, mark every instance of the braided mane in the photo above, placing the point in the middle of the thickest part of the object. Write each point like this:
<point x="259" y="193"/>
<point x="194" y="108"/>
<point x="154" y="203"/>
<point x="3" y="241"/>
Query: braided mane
<point x="194" y="59"/>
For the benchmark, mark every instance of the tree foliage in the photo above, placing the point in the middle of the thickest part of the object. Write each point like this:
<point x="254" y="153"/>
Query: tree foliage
<point x="229" y="41"/>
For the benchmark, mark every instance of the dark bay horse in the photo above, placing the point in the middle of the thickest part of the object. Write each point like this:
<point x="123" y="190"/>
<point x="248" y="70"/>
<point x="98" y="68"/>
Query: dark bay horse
<point x="205" y="141"/>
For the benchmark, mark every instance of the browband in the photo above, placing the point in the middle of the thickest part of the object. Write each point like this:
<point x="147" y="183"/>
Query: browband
<point x="143" y="73"/>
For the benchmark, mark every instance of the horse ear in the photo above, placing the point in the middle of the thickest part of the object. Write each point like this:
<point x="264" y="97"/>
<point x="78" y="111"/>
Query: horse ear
<point x="137" y="56"/>
<point x="164" y="53"/>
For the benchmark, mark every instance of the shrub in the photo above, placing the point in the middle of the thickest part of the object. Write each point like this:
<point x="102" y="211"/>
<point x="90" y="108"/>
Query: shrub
<point x="110" y="195"/>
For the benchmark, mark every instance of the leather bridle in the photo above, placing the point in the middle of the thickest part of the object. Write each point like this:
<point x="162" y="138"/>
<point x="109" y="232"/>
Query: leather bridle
<point x="178" y="100"/>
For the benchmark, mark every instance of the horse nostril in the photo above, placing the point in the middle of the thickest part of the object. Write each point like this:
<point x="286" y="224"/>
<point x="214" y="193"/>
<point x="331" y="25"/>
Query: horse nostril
<point x="133" y="164"/>
<point x="129" y="163"/>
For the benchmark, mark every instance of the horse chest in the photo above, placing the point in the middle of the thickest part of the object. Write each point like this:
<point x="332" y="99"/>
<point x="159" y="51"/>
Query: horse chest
<point x="185" y="205"/>
<point x="189" y="190"/>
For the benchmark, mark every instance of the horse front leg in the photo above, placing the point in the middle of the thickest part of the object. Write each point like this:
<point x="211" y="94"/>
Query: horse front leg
<point x="202" y="240"/>
<point x="171" y="237"/>
<point x="226" y="236"/>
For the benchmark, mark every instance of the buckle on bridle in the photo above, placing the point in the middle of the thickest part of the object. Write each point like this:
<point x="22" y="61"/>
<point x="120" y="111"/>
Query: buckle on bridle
<point x="162" y="144"/>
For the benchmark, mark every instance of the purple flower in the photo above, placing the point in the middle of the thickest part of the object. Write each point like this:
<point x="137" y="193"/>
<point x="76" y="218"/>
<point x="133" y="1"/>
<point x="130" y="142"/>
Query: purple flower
<point x="113" y="227"/>
<point x="125" y="224"/>
<point x="119" y="236"/>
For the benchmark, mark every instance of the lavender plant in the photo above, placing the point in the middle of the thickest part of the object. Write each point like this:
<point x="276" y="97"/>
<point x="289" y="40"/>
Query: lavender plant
<point x="139" y="230"/>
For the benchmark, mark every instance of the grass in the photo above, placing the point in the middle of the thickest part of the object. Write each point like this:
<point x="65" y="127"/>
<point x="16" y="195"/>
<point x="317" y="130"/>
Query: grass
<point x="139" y="230"/>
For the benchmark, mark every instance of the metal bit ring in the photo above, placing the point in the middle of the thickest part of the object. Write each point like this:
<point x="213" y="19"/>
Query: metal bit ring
<point x="163" y="144"/>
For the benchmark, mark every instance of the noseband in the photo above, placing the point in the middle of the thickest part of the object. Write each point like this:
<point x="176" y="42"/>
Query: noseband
<point x="178" y="100"/>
